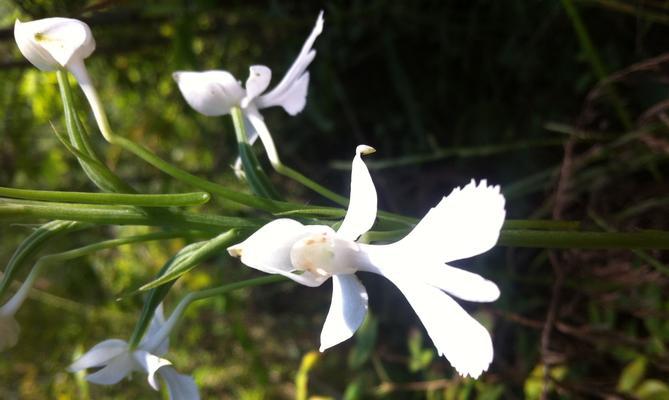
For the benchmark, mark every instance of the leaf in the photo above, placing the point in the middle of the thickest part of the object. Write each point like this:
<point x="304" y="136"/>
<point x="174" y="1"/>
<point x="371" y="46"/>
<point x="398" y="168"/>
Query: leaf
<point x="652" y="389"/>
<point x="420" y="358"/>
<point x="632" y="374"/>
<point x="189" y="257"/>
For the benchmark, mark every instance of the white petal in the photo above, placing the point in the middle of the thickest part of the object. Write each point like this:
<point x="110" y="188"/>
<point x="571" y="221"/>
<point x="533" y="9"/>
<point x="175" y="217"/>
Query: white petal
<point x="460" y="283"/>
<point x="258" y="123"/>
<point x="294" y="82"/>
<point x="52" y="43"/>
<point x="9" y="332"/>
<point x="361" y="211"/>
<point x="347" y="310"/>
<point x="465" y="343"/>
<point x="257" y="82"/>
<point x="179" y="387"/>
<point x="268" y="250"/>
<point x="151" y="364"/>
<point x="211" y="93"/>
<point x="99" y="355"/>
<point x="118" y="368"/>
<point x="465" y="223"/>
<point x="155" y="326"/>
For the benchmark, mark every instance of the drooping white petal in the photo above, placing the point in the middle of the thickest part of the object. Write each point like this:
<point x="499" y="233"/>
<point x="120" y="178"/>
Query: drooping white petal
<point x="361" y="211"/>
<point x="257" y="82"/>
<point x="211" y="93"/>
<point x="465" y="343"/>
<point x="100" y="354"/>
<point x="117" y="368"/>
<point x="9" y="332"/>
<point x="268" y="250"/>
<point x="52" y="43"/>
<point x="294" y="82"/>
<point x="347" y="310"/>
<point x="151" y="364"/>
<point x="460" y="283"/>
<point x="464" y="224"/>
<point x="260" y="129"/>
<point x="179" y="386"/>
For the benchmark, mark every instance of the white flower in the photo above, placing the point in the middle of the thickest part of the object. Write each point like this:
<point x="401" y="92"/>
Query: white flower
<point x="116" y="361"/>
<point x="215" y="93"/>
<point x="9" y="328"/>
<point x="462" y="225"/>
<point x="54" y="43"/>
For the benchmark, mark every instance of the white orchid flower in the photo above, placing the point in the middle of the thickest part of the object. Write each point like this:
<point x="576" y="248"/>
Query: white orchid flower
<point x="9" y="328"/>
<point x="215" y="93"/>
<point x="51" y="44"/>
<point x="116" y="361"/>
<point x="462" y="225"/>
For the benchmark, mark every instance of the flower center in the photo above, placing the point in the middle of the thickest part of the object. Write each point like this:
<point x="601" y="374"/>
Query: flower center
<point x="322" y="253"/>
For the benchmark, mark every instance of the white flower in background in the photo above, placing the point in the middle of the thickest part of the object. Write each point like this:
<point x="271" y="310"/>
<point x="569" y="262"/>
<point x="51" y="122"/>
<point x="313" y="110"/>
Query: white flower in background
<point x="116" y="361"/>
<point x="9" y="328"/>
<point x="215" y="93"/>
<point x="462" y="225"/>
<point x="51" y="44"/>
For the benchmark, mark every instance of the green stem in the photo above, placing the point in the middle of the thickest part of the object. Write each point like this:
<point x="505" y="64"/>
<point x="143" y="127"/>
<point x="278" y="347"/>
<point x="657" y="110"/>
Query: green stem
<point x="15" y="302"/>
<point x="596" y="62"/>
<point x="187" y="300"/>
<point x="32" y="211"/>
<point x="585" y="240"/>
<point x="144" y="200"/>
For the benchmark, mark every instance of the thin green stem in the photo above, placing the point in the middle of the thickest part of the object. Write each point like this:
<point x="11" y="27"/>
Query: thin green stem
<point x="19" y="297"/>
<point x="34" y="211"/>
<point x="144" y="200"/>
<point x="585" y="240"/>
<point x="187" y="300"/>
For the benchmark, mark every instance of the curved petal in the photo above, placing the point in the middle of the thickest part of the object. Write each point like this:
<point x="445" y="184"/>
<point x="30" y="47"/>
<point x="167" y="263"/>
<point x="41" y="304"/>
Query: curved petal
<point x="465" y="343"/>
<point x="260" y="129"/>
<point x="347" y="310"/>
<point x="465" y="223"/>
<point x="151" y="364"/>
<point x="52" y="43"/>
<point x="268" y="250"/>
<point x="361" y="211"/>
<point x="458" y="282"/>
<point x="257" y="82"/>
<point x="9" y="332"/>
<point x="294" y="82"/>
<point x="99" y="355"/>
<point x="117" y="369"/>
<point x="179" y="387"/>
<point x="155" y="326"/>
<point x="211" y="93"/>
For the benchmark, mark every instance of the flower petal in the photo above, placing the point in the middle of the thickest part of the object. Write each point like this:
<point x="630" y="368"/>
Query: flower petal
<point x="465" y="223"/>
<point x="361" y="211"/>
<point x="347" y="310"/>
<point x="179" y="387"/>
<point x="260" y="129"/>
<point x="118" y="368"/>
<point x="291" y="91"/>
<point x="257" y="82"/>
<point x="211" y="93"/>
<point x="465" y="343"/>
<point x="99" y="355"/>
<point x="155" y="326"/>
<point x="52" y="43"/>
<point x="9" y="332"/>
<point x="458" y="282"/>
<point x="151" y="364"/>
<point x="268" y="250"/>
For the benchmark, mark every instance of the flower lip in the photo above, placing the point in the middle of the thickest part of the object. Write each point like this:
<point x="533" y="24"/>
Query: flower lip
<point x="53" y="43"/>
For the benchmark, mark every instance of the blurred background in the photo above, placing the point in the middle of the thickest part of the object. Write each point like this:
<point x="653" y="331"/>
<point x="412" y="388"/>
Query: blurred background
<point x="565" y="104"/>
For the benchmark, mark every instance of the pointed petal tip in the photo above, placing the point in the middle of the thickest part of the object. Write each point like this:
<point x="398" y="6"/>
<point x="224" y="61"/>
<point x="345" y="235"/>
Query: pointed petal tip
<point x="364" y="150"/>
